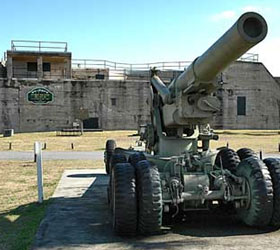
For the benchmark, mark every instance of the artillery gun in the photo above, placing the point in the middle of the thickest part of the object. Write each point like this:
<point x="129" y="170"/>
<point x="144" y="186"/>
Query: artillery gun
<point x="177" y="172"/>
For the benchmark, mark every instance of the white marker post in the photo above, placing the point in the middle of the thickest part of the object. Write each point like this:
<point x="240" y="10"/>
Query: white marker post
<point x="39" y="161"/>
<point x="36" y="149"/>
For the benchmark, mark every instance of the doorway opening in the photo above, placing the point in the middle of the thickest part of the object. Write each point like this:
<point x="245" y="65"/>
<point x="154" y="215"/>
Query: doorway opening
<point x="91" y="123"/>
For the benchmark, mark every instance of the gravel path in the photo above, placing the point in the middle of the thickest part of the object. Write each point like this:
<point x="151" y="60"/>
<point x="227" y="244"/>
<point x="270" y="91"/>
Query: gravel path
<point x="66" y="155"/>
<point x="52" y="155"/>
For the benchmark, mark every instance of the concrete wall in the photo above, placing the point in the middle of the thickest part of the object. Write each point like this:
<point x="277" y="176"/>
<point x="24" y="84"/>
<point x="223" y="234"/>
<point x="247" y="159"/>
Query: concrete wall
<point x="262" y="93"/>
<point x="20" y="71"/>
<point x="166" y="75"/>
<point x="89" y="74"/>
<point x="9" y="106"/>
<point x="72" y="100"/>
<point x="78" y="99"/>
<point x="17" y="64"/>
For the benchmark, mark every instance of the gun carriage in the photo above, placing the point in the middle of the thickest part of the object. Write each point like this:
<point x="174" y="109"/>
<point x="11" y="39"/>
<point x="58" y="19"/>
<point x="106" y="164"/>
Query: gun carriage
<point x="178" y="172"/>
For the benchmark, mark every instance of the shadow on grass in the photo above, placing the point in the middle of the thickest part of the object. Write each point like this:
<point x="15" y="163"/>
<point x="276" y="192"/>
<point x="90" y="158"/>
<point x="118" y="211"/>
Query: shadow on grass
<point x="18" y="226"/>
<point x="86" y="221"/>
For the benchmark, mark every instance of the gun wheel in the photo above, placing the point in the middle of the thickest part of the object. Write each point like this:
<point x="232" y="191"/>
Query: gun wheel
<point x="109" y="150"/>
<point x="228" y="158"/>
<point x="257" y="209"/>
<point x="125" y="200"/>
<point x="244" y="153"/>
<point x="115" y="159"/>
<point x="149" y="198"/>
<point x="273" y="166"/>
<point x="135" y="158"/>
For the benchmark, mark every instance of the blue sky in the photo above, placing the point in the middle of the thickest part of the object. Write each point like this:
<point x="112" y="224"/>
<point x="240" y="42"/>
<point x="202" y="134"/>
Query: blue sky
<point x="136" y="30"/>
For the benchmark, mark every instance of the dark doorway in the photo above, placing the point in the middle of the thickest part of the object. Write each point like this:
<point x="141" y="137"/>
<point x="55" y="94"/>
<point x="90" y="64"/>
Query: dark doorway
<point x="91" y="123"/>
<point x="241" y="105"/>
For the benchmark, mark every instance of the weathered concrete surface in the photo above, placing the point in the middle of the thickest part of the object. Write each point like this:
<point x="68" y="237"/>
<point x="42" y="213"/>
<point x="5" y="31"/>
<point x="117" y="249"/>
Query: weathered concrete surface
<point x="73" y="100"/>
<point x="122" y="104"/>
<point x="51" y="155"/>
<point x="79" y="218"/>
<point x="60" y="64"/>
<point x="262" y="92"/>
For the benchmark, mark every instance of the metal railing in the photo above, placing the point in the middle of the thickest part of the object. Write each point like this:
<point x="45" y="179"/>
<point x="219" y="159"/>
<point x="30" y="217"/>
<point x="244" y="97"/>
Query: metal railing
<point x="249" y="57"/>
<point x="86" y="69"/>
<point x="127" y="71"/>
<point x="40" y="46"/>
<point x="105" y="64"/>
<point x="173" y="65"/>
<point x="123" y="71"/>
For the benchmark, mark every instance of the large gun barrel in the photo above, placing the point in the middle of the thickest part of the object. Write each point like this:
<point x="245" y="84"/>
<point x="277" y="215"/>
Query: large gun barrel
<point x="188" y="99"/>
<point x="249" y="29"/>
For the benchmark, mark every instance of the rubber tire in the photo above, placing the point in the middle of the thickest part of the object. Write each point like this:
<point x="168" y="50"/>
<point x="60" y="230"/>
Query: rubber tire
<point x="230" y="159"/>
<point x="115" y="159"/>
<point x="149" y="198"/>
<point x="260" y="209"/>
<point x="135" y="158"/>
<point x="109" y="150"/>
<point x="244" y="153"/>
<point x="125" y="200"/>
<point x="273" y="166"/>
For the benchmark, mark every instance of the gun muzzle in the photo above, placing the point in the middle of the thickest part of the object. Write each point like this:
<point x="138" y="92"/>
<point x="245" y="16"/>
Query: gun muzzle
<point x="249" y="30"/>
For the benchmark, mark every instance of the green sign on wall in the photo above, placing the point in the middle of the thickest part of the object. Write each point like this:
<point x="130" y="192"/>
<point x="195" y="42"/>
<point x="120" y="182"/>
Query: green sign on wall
<point x="40" y="95"/>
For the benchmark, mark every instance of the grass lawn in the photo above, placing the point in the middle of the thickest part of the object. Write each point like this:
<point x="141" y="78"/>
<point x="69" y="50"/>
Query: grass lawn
<point x="266" y="140"/>
<point x="20" y="214"/>
<point x="89" y="141"/>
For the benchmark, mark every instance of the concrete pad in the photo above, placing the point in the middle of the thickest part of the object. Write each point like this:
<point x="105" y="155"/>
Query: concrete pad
<point x="79" y="218"/>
